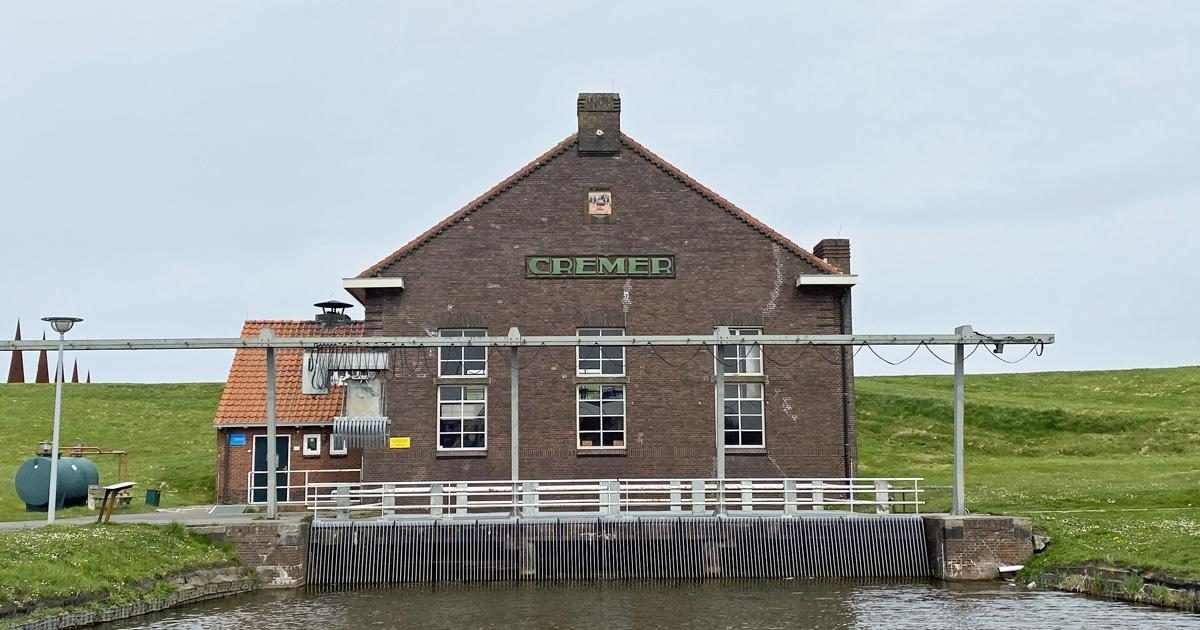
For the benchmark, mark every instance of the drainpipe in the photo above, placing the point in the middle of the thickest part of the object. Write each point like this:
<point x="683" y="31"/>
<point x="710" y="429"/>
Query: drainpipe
<point x="846" y="380"/>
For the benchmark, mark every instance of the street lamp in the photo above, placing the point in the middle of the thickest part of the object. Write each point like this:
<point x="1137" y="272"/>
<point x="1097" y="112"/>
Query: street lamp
<point x="60" y="325"/>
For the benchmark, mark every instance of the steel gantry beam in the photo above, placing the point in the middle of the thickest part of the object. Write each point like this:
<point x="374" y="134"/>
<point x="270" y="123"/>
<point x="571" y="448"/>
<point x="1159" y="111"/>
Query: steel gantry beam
<point x="963" y="336"/>
<point x="234" y="343"/>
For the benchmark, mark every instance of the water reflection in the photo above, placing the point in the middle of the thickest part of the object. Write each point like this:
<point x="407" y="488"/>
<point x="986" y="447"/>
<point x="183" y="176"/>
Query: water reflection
<point x="791" y="604"/>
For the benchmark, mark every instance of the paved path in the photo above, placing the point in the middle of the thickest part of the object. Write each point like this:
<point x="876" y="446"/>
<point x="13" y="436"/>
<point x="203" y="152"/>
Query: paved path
<point x="193" y="515"/>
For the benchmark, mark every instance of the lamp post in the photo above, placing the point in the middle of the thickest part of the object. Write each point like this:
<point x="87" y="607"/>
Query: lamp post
<point x="60" y="325"/>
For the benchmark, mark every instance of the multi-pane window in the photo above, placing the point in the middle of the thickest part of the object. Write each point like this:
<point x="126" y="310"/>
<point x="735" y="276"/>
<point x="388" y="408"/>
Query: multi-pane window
<point x="462" y="360"/>
<point x="462" y="417"/>
<point x="744" y="414"/>
<point x="601" y="416"/>
<point x="601" y="360"/>
<point x="741" y="359"/>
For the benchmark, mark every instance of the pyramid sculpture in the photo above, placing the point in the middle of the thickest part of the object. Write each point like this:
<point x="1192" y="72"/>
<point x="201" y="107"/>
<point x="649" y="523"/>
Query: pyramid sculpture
<point x="43" y="368"/>
<point x="16" y="368"/>
<point x="89" y="376"/>
<point x="75" y="372"/>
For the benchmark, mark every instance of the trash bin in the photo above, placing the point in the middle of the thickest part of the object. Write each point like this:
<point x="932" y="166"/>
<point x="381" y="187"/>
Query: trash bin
<point x="152" y="497"/>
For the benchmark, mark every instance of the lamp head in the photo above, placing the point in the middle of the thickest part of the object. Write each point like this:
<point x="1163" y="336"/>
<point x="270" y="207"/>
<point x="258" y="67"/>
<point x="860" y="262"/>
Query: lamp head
<point x="62" y="324"/>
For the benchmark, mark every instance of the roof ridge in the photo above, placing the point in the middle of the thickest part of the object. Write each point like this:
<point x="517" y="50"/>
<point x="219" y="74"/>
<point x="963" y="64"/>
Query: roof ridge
<point x="726" y="204"/>
<point x="470" y="207"/>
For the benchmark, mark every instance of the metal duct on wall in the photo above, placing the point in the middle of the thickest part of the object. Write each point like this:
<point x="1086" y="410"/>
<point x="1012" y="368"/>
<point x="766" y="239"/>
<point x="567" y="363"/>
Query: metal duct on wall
<point x="362" y="431"/>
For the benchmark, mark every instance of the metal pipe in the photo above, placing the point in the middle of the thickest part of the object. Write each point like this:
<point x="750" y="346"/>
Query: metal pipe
<point x="52" y="504"/>
<point x="959" y="506"/>
<point x="514" y="377"/>
<point x="719" y="414"/>
<point x="218" y="343"/>
<point x="272" y="456"/>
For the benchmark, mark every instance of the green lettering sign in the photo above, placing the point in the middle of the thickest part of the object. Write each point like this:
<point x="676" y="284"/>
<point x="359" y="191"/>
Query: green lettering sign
<point x="594" y="266"/>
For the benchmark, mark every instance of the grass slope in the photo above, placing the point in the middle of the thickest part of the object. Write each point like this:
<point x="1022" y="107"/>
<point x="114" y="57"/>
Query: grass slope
<point x="51" y="567"/>
<point x="1105" y="461"/>
<point x="166" y="429"/>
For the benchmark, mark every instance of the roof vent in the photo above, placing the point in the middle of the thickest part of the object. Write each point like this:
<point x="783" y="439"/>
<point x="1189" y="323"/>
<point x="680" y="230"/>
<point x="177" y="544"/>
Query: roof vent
<point x="333" y="313"/>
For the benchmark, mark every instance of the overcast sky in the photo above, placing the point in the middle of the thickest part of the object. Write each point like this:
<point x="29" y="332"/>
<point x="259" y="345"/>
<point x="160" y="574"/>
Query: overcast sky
<point x="170" y="169"/>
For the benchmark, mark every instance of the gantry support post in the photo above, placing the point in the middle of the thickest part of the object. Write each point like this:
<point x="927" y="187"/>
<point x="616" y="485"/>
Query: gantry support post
<point x="959" y="506"/>
<point x="719" y="414"/>
<point x="514" y="371"/>
<point x="272" y="455"/>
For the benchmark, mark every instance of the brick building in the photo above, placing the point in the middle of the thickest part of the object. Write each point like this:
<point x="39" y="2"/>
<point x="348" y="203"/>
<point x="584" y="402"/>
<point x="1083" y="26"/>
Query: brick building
<point x="600" y="236"/>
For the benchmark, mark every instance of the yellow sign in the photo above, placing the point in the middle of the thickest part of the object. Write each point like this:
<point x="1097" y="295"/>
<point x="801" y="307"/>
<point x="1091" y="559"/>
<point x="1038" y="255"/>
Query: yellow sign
<point x="399" y="442"/>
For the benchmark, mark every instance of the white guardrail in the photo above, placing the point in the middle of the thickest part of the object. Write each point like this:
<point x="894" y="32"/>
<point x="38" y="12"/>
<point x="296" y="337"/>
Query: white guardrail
<point x="612" y="497"/>
<point x="294" y="485"/>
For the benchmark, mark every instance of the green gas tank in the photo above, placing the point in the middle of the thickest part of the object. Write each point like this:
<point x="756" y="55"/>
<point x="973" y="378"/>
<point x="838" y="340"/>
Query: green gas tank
<point x="75" y="474"/>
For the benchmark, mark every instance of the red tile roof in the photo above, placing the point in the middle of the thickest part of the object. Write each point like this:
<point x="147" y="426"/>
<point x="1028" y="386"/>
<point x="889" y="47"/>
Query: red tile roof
<point x="244" y="400"/>
<point x="559" y="149"/>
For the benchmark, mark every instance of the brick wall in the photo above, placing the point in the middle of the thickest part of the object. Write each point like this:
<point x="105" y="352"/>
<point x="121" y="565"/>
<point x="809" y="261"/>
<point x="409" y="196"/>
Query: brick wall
<point x="234" y="462"/>
<point x="278" y="551"/>
<point x="974" y="547"/>
<point x="473" y="274"/>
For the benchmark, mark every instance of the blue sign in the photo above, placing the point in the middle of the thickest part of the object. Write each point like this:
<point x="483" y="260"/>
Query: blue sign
<point x="237" y="439"/>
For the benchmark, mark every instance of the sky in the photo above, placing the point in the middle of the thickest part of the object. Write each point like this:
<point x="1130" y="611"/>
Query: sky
<point x="171" y="169"/>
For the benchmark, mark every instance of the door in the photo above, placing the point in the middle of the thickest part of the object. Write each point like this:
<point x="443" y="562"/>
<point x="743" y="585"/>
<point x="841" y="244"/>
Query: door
<point x="283" y="450"/>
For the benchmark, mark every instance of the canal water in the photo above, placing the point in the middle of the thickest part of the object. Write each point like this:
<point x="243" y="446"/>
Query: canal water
<point x="765" y="605"/>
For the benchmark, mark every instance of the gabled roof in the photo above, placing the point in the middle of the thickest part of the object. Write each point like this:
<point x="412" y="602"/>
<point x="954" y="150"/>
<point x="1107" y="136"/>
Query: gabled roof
<point x="559" y="149"/>
<point x="244" y="400"/>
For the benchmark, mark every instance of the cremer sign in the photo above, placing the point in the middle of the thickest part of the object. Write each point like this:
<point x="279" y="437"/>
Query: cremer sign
<point x="589" y="266"/>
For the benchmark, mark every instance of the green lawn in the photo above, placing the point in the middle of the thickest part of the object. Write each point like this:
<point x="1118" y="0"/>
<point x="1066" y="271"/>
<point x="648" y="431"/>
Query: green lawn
<point x="66" y="562"/>
<point x="166" y="429"/>
<point x="1106" y="462"/>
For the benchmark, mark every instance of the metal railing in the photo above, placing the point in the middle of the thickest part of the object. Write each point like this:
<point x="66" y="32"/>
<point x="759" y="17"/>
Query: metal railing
<point x="299" y="483"/>
<point x="612" y="497"/>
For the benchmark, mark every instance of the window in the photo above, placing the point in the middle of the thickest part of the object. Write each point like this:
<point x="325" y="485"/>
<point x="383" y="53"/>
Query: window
<point x="601" y="416"/>
<point x="601" y="360"/>
<point x="312" y="445"/>
<point x="744" y="414"/>
<point x="337" y="445"/>
<point x="462" y="361"/>
<point x="742" y="359"/>
<point x="462" y="417"/>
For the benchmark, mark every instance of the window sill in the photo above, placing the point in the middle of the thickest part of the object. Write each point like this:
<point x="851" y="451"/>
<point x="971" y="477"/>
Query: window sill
<point x="311" y="455"/>
<point x="600" y="379"/>
<point x="461" y="454"/>
<point x="600" y="452"/>
<point x="461" y="380"/>
<point x="739" y="450"/>
<point x="745" y="378"/>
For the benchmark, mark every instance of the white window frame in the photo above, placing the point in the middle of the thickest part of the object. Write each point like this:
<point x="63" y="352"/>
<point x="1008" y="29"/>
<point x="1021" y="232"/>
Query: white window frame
<point x="461" y="332"/>
<point x="743" y="355"/>
<point x="624" y="430"/>
<point x="307" y="452"/>
<point x="460" y="402"/>
<point x="338" y="452"/>
<point x="599" y="332"/>
<point x="739" y="399"/>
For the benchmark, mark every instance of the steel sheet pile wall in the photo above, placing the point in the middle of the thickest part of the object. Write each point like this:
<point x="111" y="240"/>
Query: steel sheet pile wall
<point x="393" y="552"/>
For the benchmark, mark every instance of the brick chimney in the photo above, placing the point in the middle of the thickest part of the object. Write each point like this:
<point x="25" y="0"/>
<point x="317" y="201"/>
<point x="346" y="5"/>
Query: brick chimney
<point x="835" y="251"/>
<point x="599" y="123"/>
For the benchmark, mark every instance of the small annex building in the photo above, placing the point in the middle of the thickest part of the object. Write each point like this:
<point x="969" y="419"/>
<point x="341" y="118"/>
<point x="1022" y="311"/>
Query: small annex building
<point x="597" y="236"/>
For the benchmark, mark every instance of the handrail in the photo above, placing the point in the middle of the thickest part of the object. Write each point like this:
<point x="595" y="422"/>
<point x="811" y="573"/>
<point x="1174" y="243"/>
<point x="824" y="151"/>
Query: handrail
<point x="556" y="497"/>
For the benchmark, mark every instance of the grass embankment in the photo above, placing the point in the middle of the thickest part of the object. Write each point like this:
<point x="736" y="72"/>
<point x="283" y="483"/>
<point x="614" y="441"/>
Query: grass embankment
<point x="166" y="429"/>
<point x="1106" y="462"/>
<point x="50" y="568"/>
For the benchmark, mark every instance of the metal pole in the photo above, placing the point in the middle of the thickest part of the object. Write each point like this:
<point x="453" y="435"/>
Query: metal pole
<point x="58" y="383"/>
<point x="959" y="506"/>
<point x="719" y="414"/>
<point x="514" y="376"/>
<point x="514" y="373"/>
<point x="272" y="456"/>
